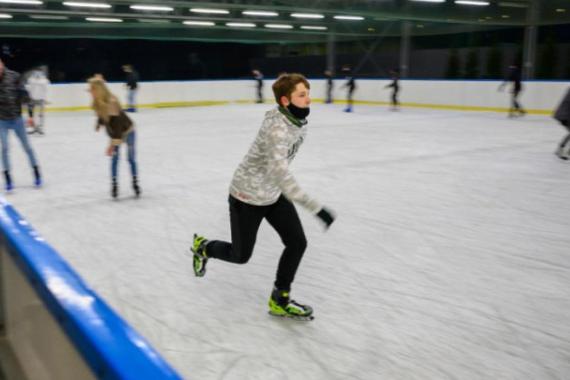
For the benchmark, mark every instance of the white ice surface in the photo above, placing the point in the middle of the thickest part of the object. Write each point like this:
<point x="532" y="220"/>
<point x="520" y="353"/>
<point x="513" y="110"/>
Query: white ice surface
<point x="450" y="258"/>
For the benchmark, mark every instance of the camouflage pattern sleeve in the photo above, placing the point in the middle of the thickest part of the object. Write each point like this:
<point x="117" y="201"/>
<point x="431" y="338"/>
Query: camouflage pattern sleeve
<point x="278" y="165"/>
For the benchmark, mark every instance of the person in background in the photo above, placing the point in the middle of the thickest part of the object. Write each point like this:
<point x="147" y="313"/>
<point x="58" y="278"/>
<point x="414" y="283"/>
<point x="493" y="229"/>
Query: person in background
<point x="329" y="79"/>
<point x="351" y="86"/>
<point x="37" y="87"/>
<point x="258" y="77"/>
<point x="119" y="127"/>
<point x="515" y="78"/>
<point x="395" y="86"/>
<point x="562" y="114"/>
<point x="132" y="84"/>
<point x="264" y="188"/>
<point x="12" y="95"/>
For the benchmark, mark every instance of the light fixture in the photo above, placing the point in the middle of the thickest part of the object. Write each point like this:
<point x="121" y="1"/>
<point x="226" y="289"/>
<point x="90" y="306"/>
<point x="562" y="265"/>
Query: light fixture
<point x="86" y="5"/>
<point x="49" y="17"/>
<point x="24" y="2"/>
<point x="313" y="27"/>
<point x="560" y="10"/>
<point x="472" y="2"/>
<point x="103" y="19"/>
<point x="349" y="18"/>
<point x="307" y="15"/>
<point x="151" y="8"/>
<point x="510" y="4"/>
<point x="506" y="16"/>
<point x="208" y="10"/>
<point x="4" y="15"/>
<point x="241" y="24"/>
<point x="198" y="23"/>
<point x="278" y="26"/>
<point x="260" y="13"/>
<point x="154" y="20"/>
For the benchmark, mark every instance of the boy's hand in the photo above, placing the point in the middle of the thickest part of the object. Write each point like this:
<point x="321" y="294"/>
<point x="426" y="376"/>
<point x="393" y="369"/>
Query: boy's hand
<point x="326" y="216"/>
<point x="110" y="150"/>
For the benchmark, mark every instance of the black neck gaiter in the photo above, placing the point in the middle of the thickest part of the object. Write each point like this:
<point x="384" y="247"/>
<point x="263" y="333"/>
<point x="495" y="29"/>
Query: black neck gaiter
<point x="298" y="112"/>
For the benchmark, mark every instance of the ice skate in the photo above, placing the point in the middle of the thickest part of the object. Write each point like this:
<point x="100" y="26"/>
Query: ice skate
<point x="200" y="259"/>
<point x="561" y="154"/>
<point x="136" y="187"/>
<point x="114" y="188"/>
<point x="280" y="305"/>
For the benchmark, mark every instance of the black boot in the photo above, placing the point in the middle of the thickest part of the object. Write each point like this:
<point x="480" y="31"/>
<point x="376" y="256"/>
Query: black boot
<point x="114" y="188"/>
<point x="37" y="176"/>
<point x="8" y="179"/>
<point x="136" y="186"/>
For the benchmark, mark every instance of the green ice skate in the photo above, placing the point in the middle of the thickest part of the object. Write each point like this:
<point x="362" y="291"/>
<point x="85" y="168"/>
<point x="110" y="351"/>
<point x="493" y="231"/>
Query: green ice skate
<point x="200" y="259"/>
<point x="280" y="305"/>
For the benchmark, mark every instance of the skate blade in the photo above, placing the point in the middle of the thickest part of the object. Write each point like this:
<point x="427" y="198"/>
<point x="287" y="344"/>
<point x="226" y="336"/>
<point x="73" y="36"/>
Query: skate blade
<point x="308" y="318"/>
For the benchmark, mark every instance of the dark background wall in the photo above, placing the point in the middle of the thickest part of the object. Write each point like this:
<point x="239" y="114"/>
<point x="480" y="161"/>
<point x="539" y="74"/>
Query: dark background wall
<point x="480" y="55"/>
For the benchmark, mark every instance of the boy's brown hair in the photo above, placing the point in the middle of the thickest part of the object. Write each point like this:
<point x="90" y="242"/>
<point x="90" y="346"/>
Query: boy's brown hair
<point x="285" y="85"/>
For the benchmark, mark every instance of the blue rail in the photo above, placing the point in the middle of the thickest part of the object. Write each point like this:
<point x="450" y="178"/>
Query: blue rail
<point x="111" y="348"/>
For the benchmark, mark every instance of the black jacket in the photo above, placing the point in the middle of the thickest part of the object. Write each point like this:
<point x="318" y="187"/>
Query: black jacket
<point x="132" y="80"/>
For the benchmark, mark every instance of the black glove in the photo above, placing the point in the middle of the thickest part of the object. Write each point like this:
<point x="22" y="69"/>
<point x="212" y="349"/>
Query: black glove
<point x="326" y="216"/>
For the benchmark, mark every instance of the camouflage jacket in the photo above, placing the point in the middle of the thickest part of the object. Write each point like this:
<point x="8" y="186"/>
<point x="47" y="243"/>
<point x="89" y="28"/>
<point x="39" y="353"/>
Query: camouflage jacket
<point x="264" y="174"/>
<point x="12" y="95"/>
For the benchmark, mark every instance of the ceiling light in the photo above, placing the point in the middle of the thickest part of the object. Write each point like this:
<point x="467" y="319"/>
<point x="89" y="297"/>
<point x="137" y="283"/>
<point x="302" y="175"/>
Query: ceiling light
<point x="4" y="15"/>
<point x="506" y="16"/>
<point x="510" y="4"/>
<point x="103" y="19"/>
<point x="429" y="1"/>
<point x="154" y="20"/>
<point x="307" y="15"/>
<point x="350" y="18"/>
<point x="198" y="23"/>
<point x="240" y="24"/>
<point x="278" y="26"/>
<point x="151" y="8"/>
<point x="26" y="2"/>
<point x="560" y="10"/>
<point x="49" y="17"/>
<point x="260" y="13"/>
<point x="208" y="10"/>
<point x="86" y="5"/>
<point x="472" y="2"/>
<point x="313" y="27"/>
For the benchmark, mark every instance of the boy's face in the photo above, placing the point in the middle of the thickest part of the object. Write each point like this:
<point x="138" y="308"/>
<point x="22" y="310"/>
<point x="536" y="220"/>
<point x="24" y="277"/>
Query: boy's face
<point x="300" y="97"/>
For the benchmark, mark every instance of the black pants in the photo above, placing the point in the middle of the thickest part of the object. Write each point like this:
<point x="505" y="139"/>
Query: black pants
<point x="515" y="105"/>
<point x="245" y="220"/>
<point x="329" y="94"/>
<point x="395" y="102"/>
<point x="259" y="94"/>
<point x="565" y="139"/>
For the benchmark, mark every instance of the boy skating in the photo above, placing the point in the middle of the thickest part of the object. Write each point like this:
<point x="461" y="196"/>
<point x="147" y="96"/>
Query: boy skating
<point x="264" y="188"/>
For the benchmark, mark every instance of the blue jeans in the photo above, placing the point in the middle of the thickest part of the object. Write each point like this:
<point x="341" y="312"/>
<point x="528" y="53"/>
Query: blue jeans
<point x="18" y="126"/>
<point x="130" y="156"/>
<point x="131" y="94"/>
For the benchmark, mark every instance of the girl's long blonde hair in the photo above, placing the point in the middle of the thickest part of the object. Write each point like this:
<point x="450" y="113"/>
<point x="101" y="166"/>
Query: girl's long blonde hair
<point x="102" y="97"/>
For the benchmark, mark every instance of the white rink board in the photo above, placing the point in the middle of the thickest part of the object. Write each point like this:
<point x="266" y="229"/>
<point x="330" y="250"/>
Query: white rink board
<point x="541" y="96"/>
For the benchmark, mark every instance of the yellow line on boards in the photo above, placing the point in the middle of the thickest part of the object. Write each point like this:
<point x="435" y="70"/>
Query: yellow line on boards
<point x="205" y="103"/>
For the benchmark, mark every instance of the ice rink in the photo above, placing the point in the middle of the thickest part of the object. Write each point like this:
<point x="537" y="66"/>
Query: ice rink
<point x="450" y="257"/>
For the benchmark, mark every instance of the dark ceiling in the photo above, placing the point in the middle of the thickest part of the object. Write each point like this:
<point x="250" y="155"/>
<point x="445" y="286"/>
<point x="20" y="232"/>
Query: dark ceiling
<point x="52" y="19"/>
